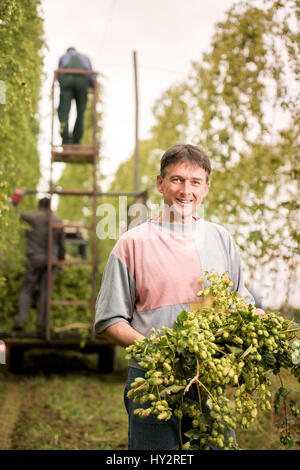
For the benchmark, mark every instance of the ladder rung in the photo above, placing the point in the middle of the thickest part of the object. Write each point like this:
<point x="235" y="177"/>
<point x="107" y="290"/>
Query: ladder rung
<point x="76" y="71"/>
<point x="74" y="153"/>
<point x="82" y="303"/>
<point x="74" y="146"/>
<point x="79" y="152"/>
<point x="72" y="192"/>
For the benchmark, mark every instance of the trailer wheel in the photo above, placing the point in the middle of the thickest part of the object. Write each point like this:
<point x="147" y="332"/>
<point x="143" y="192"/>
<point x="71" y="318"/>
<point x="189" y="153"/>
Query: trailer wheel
<point x="15" y="359"/>
<point x="106" y="359"/>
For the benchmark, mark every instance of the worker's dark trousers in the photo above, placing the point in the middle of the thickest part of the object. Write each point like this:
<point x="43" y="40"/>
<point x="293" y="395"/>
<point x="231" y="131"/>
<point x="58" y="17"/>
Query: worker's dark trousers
<point x="72" y="88"/>
<point x="32" y="276"/>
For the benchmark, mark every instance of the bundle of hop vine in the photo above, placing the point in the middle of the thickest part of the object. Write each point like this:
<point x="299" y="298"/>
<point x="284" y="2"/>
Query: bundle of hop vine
<point x="190" y="366"/>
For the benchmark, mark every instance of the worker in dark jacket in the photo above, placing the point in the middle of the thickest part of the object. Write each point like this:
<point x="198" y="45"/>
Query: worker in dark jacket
<point x="73" y="86"/>
<point x="37" y="256"/>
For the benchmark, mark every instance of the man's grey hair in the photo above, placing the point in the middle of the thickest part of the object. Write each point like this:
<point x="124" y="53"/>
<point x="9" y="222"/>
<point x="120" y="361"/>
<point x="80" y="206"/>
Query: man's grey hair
<point x="185" y="152"/>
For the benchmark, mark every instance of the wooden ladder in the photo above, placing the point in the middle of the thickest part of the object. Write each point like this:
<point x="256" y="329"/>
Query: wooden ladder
<point x="77" y="154"/>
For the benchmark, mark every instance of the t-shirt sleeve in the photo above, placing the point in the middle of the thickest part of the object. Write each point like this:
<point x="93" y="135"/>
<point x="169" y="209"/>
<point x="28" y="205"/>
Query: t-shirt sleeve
<point x="116" y="298"/>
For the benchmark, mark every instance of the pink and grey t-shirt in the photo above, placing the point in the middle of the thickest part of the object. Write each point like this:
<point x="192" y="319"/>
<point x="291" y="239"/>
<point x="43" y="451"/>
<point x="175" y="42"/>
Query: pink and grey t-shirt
<point x="153" y="273"/>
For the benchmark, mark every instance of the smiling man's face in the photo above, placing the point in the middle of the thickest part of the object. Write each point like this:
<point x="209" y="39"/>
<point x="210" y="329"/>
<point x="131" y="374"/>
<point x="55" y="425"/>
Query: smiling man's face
<point x="183" y="187"/>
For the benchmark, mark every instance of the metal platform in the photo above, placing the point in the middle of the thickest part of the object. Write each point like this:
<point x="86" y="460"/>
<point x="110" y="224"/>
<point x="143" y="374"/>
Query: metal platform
<point x="73" y="153"/>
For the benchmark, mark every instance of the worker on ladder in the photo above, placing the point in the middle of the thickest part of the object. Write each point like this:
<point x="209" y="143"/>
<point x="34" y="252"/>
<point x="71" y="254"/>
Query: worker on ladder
<point x="73" y="86"/>
<point x="37" y="256"/>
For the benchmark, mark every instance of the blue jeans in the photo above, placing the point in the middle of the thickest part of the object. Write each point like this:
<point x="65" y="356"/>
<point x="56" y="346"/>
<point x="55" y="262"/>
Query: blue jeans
<point x="149" y="433"/>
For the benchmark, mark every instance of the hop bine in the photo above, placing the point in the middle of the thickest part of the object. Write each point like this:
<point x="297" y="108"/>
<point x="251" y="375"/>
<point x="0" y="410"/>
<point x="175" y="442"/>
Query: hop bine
<point x="190" y="367"/>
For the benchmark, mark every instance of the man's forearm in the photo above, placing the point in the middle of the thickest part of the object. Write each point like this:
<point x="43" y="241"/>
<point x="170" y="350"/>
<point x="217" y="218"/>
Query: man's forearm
<point x="122" y="334"/>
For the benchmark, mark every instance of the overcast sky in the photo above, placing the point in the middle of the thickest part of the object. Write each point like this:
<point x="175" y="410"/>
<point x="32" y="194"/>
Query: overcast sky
<point x="167" y="36"/>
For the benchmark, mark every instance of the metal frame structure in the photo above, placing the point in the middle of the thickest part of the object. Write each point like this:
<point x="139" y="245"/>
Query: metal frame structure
<point x="17" y="342"/>
<point x="84" y="154"/>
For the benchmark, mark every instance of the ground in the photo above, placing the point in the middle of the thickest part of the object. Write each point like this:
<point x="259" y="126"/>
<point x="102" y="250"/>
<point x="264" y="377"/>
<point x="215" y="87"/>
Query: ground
<point x="61" y="402"/>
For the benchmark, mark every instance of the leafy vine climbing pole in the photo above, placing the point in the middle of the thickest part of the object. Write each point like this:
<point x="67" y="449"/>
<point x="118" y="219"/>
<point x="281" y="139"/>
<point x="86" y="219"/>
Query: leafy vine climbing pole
<point x="247" y="88"/>
<point x="22" y="45"/>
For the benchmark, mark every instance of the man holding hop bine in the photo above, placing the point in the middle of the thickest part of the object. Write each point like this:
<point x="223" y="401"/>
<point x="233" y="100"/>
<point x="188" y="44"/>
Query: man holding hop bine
<point x="152" y="275"/>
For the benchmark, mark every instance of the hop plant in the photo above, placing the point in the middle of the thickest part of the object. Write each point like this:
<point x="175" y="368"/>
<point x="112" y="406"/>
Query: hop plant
<point x="189" y="367"/>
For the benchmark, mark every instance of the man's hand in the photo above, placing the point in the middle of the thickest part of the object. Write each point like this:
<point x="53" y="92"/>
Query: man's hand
<point x="260" y="312"/>
<point x="122" y="333"/>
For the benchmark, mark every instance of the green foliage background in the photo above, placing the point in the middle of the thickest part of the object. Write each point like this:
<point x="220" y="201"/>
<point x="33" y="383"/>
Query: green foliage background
<point x="241" y="104"/>
<point x="22" y="47"/>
